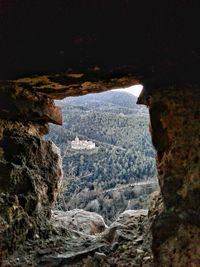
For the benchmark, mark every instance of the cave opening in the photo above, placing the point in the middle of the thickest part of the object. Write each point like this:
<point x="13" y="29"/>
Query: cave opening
<point x="31" y="178"/>
<point x="107" y="155"/>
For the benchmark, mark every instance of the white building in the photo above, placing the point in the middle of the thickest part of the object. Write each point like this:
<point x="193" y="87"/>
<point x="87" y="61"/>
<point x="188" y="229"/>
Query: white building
<point x="82" y="144"/>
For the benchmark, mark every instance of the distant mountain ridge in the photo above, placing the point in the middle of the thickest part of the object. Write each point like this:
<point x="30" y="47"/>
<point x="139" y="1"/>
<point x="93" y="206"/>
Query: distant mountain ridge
<point x="107" y="101"/>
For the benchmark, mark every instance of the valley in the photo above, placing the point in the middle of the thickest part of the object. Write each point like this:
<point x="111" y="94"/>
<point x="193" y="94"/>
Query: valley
<point x="101" y="179"/>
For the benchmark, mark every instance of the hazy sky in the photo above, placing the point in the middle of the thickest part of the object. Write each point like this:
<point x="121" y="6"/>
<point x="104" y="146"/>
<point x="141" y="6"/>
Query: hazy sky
<point x="135" y="90"/>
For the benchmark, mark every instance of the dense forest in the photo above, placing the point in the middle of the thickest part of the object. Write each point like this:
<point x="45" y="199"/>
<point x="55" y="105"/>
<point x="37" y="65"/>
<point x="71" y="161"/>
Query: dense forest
<point x="123" y="154"/>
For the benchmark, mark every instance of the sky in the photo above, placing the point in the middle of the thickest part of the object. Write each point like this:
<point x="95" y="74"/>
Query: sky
<point x="135" y="90"/>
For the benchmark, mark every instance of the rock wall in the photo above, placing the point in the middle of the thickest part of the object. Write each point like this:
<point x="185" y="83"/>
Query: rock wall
<point x="175" y="128"/>
<point x="31" y="172"/>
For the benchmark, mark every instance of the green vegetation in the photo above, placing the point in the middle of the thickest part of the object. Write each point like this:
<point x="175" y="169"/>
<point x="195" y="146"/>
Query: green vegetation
<point x="123" y="154"/>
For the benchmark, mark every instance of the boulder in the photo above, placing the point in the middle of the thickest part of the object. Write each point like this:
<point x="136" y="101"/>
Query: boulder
<point x="89" y="223"/>
<point x="127" y="227"/>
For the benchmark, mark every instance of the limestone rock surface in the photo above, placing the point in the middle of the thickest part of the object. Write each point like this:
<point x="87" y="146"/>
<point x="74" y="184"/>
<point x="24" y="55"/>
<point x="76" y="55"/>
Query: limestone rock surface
<point x="30" y="179"/>
<point x="20" y="104"/>
<point x="175" y="134"/>
<point x="86" y="222"/>
<point x="117" y="231"/>
<point x="121" y="244"/>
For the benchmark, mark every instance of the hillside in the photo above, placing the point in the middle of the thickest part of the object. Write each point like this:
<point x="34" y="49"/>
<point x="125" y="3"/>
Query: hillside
<point x="123" y="153"/>
<point x="112" y="101"/>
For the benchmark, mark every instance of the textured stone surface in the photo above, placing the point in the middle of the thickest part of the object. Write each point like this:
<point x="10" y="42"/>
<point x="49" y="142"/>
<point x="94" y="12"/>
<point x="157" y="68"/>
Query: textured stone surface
<point x="68" y="247"/>
<point x="31" y="98"/>
<point x="175" y="131"/>
<point x="21" y="104"/>
<point x="30" y="178"/>
<point x="86" y="222"/>
<point x="117" y="231"/>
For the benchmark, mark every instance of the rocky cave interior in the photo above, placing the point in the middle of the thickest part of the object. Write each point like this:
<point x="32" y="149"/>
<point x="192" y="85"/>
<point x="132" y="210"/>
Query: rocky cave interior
<point x="53" y="49"/>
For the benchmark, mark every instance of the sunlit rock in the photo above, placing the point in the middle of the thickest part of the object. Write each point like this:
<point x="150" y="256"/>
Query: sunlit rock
<point x="86" y="222"/>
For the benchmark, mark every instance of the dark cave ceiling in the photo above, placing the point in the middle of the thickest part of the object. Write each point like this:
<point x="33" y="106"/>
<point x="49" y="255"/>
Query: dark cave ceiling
<point x="152" y="41"/>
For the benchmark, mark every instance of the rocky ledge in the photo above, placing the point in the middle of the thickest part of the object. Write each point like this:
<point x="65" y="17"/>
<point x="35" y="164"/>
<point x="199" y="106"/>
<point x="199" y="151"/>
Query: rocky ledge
<point x="123" y="243"/>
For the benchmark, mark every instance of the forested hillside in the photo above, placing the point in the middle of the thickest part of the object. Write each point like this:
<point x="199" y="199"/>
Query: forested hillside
<point x="123" y="154"/>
